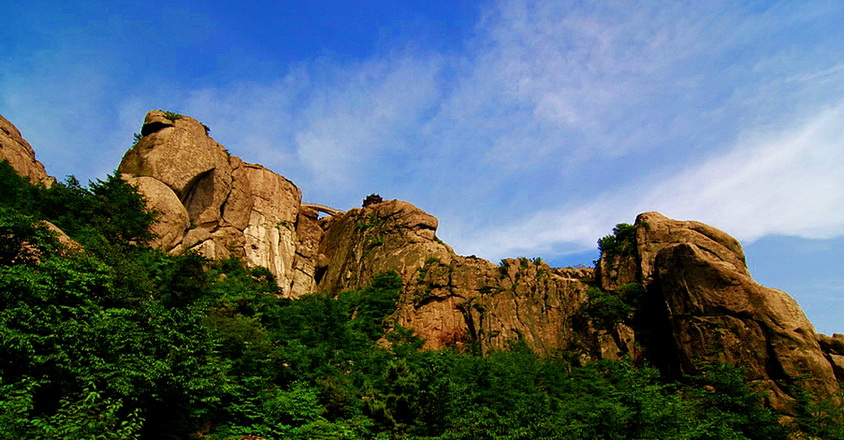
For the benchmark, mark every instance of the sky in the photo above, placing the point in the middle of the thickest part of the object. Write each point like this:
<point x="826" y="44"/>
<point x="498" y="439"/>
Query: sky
<point x="529" y="128"/>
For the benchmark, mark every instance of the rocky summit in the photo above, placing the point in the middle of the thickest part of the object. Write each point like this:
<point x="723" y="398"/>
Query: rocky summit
<point x="677" y="294"/>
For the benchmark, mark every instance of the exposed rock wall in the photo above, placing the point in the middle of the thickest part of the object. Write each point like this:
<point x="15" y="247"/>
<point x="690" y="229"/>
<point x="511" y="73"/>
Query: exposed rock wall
<point x="705" y="301"/>
<point x="214" y="203"/>
<point x="700" y="303"/>
<point x="450" y="300"/>
<point x="20" y="155"/>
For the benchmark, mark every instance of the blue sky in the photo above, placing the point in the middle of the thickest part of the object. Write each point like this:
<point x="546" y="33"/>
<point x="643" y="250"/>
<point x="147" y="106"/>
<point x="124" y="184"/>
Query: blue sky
<point x="528" y="128"/>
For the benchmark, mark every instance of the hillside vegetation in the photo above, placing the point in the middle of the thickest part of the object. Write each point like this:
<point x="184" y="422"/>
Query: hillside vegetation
<point x="121" y="341"/>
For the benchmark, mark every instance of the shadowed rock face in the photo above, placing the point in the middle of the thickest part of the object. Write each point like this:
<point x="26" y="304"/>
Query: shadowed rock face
<point x="712" y="310"/>
<point x="20" y="155"/>
<point x="833" y="348"/>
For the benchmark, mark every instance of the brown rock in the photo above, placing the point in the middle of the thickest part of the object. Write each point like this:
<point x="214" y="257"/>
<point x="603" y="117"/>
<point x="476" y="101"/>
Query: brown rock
<point x="231" y="208"/>
<point x="450" y="300"/>
<point x="20" y="155"/>
<point x="68" y="244"/>
<point x="718" y="313"/>
<point x="180" y="154"/>
<point x="307" y="262"/>
<point x="172" y="221"/>
<point x="833" y="347"/>
<point x="837" y="362"/>
<point x="364" y="242"/>
<point x="239" y="202"/>
<point x="270" y="239"/>
<point x="701" y="305"/>
<point x="832" y="344"/>
<point x="654" y="232"/>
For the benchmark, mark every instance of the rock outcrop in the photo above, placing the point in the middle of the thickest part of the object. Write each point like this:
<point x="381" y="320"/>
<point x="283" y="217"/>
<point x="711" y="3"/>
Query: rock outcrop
<point x="20" y="155"/>
<point x="216" y="205"/>
<point x="702" y="305"/>
<point x="697" y="302"/>
<point x="710" y="309"/>
<point x="833" y="348"/>
<point x="451" y="300"/>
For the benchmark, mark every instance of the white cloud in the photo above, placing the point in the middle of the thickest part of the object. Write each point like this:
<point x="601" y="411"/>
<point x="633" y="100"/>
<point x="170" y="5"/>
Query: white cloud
<point x="785" y="181"/>
<point x="777" y="182"/>
<point x="362" y="115"/>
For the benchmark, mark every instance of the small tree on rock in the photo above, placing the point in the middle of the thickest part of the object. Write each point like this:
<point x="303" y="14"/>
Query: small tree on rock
<point x="372" y="199"/>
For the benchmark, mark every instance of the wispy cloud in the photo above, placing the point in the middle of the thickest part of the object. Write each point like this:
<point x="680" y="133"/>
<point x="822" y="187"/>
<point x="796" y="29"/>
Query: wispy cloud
<point x="558" y="120"/>
<point x="784" y="181"/>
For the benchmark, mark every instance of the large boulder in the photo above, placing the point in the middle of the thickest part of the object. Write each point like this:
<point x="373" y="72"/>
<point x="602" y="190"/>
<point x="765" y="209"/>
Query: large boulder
<point x="20" y="155"/>
<point x="391" y="235"/>
<point x="709" y="309"/>
<point x="176" y="150"/>
<point x="172" y="221"/>
<point x="213" y="203"/>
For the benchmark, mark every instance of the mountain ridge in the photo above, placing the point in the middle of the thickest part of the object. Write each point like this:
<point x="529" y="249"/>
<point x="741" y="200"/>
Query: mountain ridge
<point x="695" y="302"/>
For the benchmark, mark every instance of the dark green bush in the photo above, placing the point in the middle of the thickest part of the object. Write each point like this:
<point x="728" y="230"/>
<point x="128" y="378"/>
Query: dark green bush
<point x="606" y="309"/>
<point x="621" y="242"/>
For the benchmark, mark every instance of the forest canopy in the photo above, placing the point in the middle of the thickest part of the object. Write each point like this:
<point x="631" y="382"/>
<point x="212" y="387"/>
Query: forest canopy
<point x="121" y="341"/>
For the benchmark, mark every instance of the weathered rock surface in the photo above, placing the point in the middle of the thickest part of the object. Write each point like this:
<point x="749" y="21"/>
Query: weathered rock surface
<point x="179" y="153"/>
<point x="714" y="311"/>
<point x="450" y="300"/>
<point x="173" y="219"/>
<point x="833" y="347"/>
<point x="364" y="242"/>
<point x="214" y="203"/>
<point x="20" y="155"/>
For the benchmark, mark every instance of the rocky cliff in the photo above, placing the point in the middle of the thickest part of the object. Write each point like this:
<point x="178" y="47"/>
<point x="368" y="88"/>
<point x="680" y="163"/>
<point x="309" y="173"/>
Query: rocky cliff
<point x="693" y="299"/>
<point x="20" y="155"/>
<point x="215" y="204"/>
<point x="706" y="307"/>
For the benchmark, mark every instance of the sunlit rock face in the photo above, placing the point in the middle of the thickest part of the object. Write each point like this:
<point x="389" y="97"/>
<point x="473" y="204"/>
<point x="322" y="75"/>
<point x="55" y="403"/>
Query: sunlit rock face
<point x="699" y="304"/>
<point x="457" y="301"/>
<point x="214" y="203"/>
<point x="708" y="308"/>
<point x="20" y="155"/>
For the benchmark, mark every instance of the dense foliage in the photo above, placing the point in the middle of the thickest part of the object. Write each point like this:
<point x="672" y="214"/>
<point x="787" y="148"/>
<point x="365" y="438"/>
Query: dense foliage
<point x="124" y="342"/>
<point x="622" y="241"/>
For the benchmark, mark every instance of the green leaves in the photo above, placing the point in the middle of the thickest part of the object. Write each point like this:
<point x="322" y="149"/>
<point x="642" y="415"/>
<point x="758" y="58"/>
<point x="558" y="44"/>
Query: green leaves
<point x="621" y="242"/>
<point x="123" y="341"/>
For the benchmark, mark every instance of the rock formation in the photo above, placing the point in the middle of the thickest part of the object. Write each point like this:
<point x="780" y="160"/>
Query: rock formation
<point x="216" y="205"/>
<point x="698" y="292"/>
<point x="451" y="300"/>
<point x="711" y="309"/>
<point x="20" y="155"/>
<point x="833" y="348"/>
<point x="698" y="302"/>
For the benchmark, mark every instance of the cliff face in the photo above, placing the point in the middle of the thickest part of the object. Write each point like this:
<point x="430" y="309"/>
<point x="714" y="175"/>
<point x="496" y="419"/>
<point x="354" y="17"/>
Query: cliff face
<point x="703" y="299"/>
<point x="450" y="300"/>
<point x="698" y="302"/>
<point x="217" y="205"/>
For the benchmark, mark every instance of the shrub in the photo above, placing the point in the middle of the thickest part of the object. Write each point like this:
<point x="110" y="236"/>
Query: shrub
<point x="621" y="242"/>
